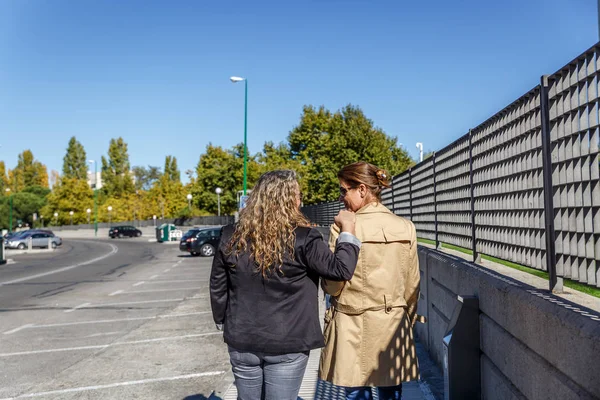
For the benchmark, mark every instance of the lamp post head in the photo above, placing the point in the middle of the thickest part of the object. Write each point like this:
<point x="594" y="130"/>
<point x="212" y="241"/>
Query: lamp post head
<point x="236" y="79"/>
<point x="218" y="190"/>
<point x="7" y="190"/>
<point x="70" y="212"/>
<point x="56" y="214"/>
<point x="189" y="196"/>
<point x="419" y="145"/>
<point x="109" y="208"/>
<point x="88" y="211"/>
<point x="91" y="161"/>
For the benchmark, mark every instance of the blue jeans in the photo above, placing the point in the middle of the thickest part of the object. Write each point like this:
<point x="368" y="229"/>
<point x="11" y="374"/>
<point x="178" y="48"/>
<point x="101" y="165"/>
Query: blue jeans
<point x="364" y="393"/>
<point x="260" y="376"/>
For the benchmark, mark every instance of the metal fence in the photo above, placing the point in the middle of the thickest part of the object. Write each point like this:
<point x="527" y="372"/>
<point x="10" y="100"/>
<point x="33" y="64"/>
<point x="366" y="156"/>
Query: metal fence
<point x="523" y="186"/>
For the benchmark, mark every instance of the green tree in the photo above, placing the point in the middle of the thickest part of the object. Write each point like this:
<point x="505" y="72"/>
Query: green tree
<point x="25" y="204"/>
<point x="222" y="168"/>
<point x="280" y="157"/>
<point x="28" y="172"/>
<point x="116" y="177"/>
<point x="75" y="161"/>
<point x="70" y="194"/>
<point x="324" y="142"/>
<point x="4" y="183"/>
<point x="145" y="176"/>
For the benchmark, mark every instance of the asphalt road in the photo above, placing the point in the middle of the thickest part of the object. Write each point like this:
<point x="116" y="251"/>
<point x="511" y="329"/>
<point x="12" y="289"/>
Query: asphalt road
<point x="102" y="319"/>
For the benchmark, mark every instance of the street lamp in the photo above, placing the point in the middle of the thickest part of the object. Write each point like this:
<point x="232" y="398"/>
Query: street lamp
<point x="236" y="79"/>
<point x="420" y="147"/>
<point x="56" y="218"/>
<point x="109" y="215"/>
<point x="71" y="214"/>
<point x="189" y="197"/>
<point x="95" y="197"/>
<point x="88" y="211"/>
<point x="219" y="191"/>
<point x="11" y="210"/>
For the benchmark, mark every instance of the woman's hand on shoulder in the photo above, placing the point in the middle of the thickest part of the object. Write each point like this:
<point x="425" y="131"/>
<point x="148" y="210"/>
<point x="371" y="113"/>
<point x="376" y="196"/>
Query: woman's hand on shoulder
<point x="346" y="220"/>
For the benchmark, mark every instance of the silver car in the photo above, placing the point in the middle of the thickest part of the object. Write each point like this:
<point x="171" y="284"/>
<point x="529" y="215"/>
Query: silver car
<point x="38" y="239"/>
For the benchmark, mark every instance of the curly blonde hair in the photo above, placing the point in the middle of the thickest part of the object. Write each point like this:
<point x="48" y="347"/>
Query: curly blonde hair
<point x="267" y="224"/>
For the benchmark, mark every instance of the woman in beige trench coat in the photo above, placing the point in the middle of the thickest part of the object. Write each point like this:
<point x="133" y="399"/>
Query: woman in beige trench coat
<point x="368" y="330"/>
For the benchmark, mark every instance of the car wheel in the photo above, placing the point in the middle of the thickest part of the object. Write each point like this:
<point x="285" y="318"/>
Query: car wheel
<point x="120" y="235"/>
<point x="21" y="246"/>
<point x="54" y="245"/>
<point x="138" y="234"/>
<point x="207" y="250"/>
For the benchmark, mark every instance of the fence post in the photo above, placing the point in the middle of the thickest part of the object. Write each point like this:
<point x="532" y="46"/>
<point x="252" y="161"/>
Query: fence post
<point x="555" y="282"/>
<point x="476" y="255"/>
<point x="437" y="240"/>
<point x="410" y="193"/>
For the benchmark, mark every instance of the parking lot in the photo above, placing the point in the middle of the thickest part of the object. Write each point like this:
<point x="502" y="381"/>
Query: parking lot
<point x="109" y="319"/>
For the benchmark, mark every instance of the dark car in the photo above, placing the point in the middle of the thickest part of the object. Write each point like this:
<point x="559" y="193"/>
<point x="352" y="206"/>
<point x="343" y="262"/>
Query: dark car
<point x="124" y="231"/>
<point x="201" y="241"/>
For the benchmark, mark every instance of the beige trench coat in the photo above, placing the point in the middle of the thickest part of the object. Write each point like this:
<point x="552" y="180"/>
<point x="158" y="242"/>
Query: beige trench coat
<point x="368" y="330"/>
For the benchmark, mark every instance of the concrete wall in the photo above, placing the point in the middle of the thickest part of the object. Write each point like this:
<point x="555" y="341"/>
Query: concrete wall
<point x="533" y="345"/>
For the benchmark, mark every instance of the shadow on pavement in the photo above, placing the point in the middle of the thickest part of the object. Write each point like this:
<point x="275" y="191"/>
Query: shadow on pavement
<point x="202" y="397"/>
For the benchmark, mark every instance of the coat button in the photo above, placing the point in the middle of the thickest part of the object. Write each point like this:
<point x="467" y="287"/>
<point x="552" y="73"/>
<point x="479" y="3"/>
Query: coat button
<point x="388" y="309"/>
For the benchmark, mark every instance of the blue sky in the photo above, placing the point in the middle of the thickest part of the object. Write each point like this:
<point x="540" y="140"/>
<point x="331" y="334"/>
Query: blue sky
<point x="156" y="72"/>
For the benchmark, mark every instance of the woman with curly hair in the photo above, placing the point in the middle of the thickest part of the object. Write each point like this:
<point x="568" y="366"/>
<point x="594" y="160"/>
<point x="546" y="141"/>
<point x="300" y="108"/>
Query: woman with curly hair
<point x="264" y="287"/>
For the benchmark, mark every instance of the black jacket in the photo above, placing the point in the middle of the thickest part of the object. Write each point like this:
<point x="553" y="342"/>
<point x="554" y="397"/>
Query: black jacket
<point x="280" y="313"/>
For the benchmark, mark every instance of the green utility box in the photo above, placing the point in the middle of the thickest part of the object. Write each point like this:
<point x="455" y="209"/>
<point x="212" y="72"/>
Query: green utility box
<point x="163" y="233"/>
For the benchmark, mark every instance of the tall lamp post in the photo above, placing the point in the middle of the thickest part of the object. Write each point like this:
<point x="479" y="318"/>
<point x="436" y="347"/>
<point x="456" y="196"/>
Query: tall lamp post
<point x="420" y="147"/>
<point x="236" y="79"/>
<point x="219" y="191"/>
<point x="88" y="211"/>
<point x="10" y="210"/>
<point x="95" y="196"/>
<point x="71" y="215"/>
<point x="42" y="218"/>
<point x="189" y="198"/>
<point x="109" y="216"/>
<point x="56" y="218"/>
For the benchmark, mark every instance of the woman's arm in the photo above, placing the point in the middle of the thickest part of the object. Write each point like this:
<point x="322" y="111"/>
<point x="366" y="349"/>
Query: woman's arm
<point x="219" y="294"/>
<point x="413" y="277"/>
<point x="333" y="288"/>
<point x="338" y="265"/>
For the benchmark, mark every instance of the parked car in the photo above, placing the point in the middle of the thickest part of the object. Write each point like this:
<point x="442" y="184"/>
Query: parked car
<point x="201" y="241"/>
<point x="16" y="234"/>
<point x="124" y="231"/>
<point x="38" y="239"/>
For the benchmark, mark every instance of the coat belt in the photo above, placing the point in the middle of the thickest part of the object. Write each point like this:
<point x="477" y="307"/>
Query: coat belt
<point x="350" y="310"/>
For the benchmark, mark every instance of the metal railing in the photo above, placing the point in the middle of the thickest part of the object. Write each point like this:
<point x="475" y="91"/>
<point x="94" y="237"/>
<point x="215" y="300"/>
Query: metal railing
<point x="523" y="186"/>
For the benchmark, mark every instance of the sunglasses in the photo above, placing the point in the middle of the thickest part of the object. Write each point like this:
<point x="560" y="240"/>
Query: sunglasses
<point x="344" y="191"/>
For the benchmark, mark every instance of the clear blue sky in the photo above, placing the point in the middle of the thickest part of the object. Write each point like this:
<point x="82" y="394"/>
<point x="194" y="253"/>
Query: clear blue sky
<point x="156" y="72"/>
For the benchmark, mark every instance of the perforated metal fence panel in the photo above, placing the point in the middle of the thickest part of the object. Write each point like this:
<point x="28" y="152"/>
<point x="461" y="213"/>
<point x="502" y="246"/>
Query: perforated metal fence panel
<point x="508" y="183"/>
<point x="573" y="102"/>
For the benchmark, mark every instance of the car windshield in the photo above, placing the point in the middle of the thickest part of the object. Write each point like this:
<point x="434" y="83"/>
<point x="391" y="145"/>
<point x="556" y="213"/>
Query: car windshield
<point x="204" y="233"/>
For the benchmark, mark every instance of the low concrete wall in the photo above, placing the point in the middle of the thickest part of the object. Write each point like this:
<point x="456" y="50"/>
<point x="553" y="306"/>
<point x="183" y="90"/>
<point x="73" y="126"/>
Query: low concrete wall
<point x="533" y="345"/>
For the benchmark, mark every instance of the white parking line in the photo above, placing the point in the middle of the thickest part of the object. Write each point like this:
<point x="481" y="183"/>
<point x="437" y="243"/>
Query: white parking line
<point x="77" y="307"/>
<point x="117" y="384"/>
<point x="56" y="271"/>
<point x="105" y="346"/>
<point x="115" y="293"/>
<point x="159" y="281"/>
<point x="18" y="329"/>
<point x="139" y="283"/>
<point x="167" y="270"/>
<point x="104" y="321"/>
<point x="154" y="276"/>
<point x="162" y="290"/>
